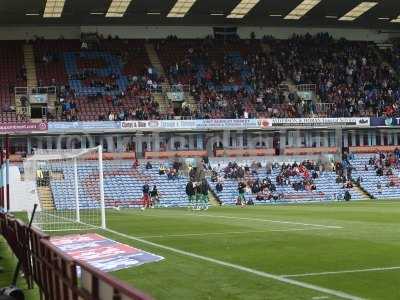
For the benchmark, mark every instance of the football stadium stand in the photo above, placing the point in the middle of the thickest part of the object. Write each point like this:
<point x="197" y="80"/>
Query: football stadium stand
<point x="223" y="78"/>
<point x="266" y="183"/>
<point x="263" y="186"/>
<point x="123" y="183"/>
<point x="380" y="180"/>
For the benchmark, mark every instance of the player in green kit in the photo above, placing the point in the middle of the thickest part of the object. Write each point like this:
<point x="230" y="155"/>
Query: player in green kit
<point x="204" y="194"/>
<point x="199" y="195"/>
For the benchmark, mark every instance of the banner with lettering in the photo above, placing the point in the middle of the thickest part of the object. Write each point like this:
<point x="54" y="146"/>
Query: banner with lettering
<point x="102" y="253"/>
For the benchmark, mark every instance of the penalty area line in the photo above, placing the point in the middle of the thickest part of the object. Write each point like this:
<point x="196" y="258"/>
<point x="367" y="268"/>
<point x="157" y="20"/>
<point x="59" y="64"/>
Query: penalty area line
<point x="267" y="220"/>
<point x="227" y="233"/>
<point x="279" y="278"/>
<point x="238" y="218"/>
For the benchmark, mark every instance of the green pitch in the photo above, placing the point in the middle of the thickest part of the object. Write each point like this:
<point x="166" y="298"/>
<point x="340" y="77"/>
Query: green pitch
<point x="319" y="251"/>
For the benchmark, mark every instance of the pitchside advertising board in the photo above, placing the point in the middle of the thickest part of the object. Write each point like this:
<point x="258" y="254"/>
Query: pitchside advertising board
<point x="321" y="122"/>
<point x="102" y="253"/>
<point x="195" y="125"/>
<point x="229" y="124"/>
<point x="209" y="124"/>
<point x="386" y="122"/>
<point x="61" y="127"/>
<point x="25" y="127"/>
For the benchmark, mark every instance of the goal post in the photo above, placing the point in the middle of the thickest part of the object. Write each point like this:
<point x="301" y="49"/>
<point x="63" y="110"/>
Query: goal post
<point x="69" y="188"/>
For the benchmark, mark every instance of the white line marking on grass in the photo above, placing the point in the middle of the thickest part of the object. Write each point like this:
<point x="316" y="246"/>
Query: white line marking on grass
<point x="309" y="286"/>
<point x="320" y="297"/>
<point x="242" y="218"/>
<point x="228" y="232"/>
<point x="343" y="272"/>
<point x="304" y="229"/>
<point x="267" y="220"/>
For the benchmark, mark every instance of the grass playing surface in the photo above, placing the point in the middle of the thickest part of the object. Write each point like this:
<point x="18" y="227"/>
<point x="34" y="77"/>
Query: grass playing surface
<point x="318" y="251"/>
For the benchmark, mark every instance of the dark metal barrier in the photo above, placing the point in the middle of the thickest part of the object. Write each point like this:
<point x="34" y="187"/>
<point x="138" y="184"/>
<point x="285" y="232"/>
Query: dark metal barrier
<point x="17" y="236"/>
<point x="57" y="275"/>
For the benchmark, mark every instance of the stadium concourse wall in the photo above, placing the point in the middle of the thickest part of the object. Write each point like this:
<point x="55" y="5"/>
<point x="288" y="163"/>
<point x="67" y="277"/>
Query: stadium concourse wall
<point x="233" y="153"/>
<point x="56" y="274"/>
<point x="209" y="137"/>
<point x="185" y="32"/>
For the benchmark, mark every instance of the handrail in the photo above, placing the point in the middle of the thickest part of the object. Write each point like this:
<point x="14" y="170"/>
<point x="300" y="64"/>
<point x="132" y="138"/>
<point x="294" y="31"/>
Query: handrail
<point x="55" y="272"/>
<point x="309" y="87"/>
<point x="51" y="90"/>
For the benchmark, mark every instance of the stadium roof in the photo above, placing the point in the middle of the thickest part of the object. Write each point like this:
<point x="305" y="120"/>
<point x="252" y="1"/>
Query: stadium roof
<point x="317" y="13"/>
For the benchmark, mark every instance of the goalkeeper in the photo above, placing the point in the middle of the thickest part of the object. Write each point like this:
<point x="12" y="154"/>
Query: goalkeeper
<point x="241" y="200"/>
<point x="190" y="192"/>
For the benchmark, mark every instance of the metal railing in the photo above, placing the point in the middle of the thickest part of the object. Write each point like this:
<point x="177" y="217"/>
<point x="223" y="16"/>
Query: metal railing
<point x="168" y="88"/>
<point x="56" y="273"/>
<point x="283" y="87"/>
<point x="49" y="90"/>
<point x="326" y="108"/>
<point x="307" y="87"/>
<point x="23" y="110"/>
<point x="44" y="111"/>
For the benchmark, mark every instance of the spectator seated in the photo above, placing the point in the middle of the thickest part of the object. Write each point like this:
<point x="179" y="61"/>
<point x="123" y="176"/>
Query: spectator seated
<point x="271" y="183"/>
<point x="379" y="174"/>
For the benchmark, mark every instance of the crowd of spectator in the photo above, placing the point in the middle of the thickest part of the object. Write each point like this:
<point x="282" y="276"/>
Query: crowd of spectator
<point x="351" y="77"/>
<point x="384" y="164"/>
<point x="172" y="172"/>
<point x="69" y="110"/>
<point x="234" y="78"/>
<point x="298" y="176"/>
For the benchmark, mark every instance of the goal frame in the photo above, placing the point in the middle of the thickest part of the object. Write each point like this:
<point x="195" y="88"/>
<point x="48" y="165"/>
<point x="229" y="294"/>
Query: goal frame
<point x="56" y="155"/>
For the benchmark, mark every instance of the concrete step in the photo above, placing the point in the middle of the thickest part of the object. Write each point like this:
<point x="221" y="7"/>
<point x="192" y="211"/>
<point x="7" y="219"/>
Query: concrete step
<point x="190" y="100"/>
<point x="362" y="192"/>
<point x="29" y="61"/>
<point x="45" y="197"/>
<point x="154" y="59"/>
<point x="212" y="199"/>
<point x="162" y="102"/>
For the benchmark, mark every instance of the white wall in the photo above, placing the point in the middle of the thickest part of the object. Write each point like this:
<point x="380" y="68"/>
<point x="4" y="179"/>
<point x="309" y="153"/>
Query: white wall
<point x="287" y="32"/>
<point x="50" y="32"/>
<point x="153" y="32"/>
<point x="23" y="194"/>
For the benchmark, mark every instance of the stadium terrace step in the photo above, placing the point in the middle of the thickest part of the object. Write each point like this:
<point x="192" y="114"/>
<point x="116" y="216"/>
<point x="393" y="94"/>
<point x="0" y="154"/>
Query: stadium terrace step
<point x="154" y="59"/>
<point x="29" y="59"/>
<point x="213" y="199"/>
<point x="362" y="192"/>
<point x="162" y="102"/>
<point x="156" y="63"/>
<point x="46" y="197"/>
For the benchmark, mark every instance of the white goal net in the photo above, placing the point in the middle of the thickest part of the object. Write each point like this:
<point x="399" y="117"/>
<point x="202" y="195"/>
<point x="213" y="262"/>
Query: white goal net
<point x="69" y="186"/>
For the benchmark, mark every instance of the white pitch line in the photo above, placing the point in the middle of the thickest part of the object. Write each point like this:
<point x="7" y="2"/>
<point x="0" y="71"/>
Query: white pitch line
<point x="309" y="286"/>
<point x="242" y="218"/>
<point x="343" y="272"/>
<point x="267" y="220"/>
<point x="228" y="232"/>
